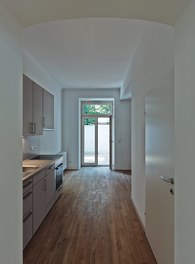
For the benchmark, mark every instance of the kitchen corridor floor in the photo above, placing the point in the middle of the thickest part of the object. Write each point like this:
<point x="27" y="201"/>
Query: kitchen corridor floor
<point x="93" y="222"/>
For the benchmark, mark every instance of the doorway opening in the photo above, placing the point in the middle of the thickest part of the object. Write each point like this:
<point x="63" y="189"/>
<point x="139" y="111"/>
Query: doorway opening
<point x="96" y="133"/>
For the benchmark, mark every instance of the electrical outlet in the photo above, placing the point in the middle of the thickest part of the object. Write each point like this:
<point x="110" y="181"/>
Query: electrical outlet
<point x="33" y="147"/>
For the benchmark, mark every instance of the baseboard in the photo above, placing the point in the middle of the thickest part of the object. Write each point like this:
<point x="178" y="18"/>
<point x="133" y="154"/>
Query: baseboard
<point x="124" y="171"/>
<point x="138" y="216"/>
<point x="71" y="170"/>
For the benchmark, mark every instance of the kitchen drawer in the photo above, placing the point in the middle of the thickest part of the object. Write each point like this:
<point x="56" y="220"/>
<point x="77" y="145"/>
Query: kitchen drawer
<point x="27" y="228"/>
<point x="27" y="201"/>
<point x="27" y="185"/>
<point x="50" y="168"/>
<point x="38" y="176"/>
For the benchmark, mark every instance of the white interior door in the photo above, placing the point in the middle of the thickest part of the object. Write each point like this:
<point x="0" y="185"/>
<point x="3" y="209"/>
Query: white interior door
<point x="159" y="128"/>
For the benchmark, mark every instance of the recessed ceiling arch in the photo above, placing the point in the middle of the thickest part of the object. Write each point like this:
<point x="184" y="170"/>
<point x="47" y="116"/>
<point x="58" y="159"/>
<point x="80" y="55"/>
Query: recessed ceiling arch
<point x="85" y="53"/>
<point x="33" y="12"/>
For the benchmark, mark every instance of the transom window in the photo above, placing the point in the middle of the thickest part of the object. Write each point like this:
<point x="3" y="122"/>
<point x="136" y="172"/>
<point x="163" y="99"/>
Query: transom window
<point x="95" y="108"/>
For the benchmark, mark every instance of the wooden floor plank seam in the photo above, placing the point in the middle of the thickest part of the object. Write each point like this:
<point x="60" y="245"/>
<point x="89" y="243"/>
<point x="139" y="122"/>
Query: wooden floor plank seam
<point x="93" y="222"/>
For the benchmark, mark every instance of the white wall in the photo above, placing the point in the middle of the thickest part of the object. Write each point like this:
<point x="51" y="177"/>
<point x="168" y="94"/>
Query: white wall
<point x="10" y="139"/>
<point x="152" y="62"/>
<point x="50" y="141"/>
<point x="122" y="128"/>
<point x="185" y="137"/>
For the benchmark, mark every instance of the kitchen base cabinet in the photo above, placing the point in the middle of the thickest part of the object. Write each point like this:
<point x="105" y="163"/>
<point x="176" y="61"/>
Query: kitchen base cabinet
<point x="43" y="194"/>
<point x="39" y="201"/>
<point x="38" y="198"/>
<point x="27" y="228"/>
<point x="50" y="187"/>
<point x="27" y="212"/>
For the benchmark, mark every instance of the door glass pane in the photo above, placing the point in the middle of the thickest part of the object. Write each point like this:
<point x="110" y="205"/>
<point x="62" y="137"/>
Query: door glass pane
<point x="103" y="141"/>
<point x="89" y="140"/>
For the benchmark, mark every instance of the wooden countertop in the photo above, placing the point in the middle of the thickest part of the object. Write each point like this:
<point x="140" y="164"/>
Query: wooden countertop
<point x="37" y="165"/>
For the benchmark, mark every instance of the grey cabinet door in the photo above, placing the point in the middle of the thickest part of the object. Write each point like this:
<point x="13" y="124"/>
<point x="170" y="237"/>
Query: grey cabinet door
<point x="50" y="190"/>
<point x="48" y="110"/>
<point x="32" y="108"/>
<point x="37" y="109"/>
<point x="39" y="201"/>
<point x="27" y="212"/>
<point x="27" y="105"/>
<point x="27" y="228"/>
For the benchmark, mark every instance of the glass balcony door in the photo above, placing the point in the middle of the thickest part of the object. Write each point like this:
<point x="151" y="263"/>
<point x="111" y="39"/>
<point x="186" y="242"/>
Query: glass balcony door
<point x="96" y="141"/>
<point x="103" y="141"/>
<point x="89" y="141"/>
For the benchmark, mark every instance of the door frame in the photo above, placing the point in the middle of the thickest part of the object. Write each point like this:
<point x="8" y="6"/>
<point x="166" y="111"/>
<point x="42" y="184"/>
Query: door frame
<point x="112" y="127"/>
<point x="83" y="164"/>
<point x="110" y="144"/>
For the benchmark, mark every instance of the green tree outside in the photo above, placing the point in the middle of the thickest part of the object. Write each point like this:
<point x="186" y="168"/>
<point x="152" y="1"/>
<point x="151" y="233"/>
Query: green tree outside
<point x="92" y="109"/>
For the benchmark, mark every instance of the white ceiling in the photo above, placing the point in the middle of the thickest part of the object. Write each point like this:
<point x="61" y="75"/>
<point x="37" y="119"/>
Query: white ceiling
<point x="85" y="53"/>
<point x="89" y="44"/>
<point x="31" y="12"/>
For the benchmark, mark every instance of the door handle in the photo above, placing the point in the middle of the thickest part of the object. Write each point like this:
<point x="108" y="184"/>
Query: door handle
<point x="168" y="180"/>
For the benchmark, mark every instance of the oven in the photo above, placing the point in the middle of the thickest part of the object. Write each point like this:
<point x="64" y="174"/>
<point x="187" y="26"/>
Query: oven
<point x="58" y="181"/>
<point x="58" y="177"/>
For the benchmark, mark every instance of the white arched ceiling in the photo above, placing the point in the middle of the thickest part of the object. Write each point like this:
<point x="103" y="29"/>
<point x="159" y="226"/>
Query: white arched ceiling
<point x="31" y="12"/>
<point x="85" y="53"/>
<point x="102" y="52"/>
<point x="98" y="49"/>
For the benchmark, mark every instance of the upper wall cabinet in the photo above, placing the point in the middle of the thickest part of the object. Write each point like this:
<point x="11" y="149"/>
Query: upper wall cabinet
<point x="32" y="108"/>
<point x="37" y="109"/>
<point x="48" y="110"/>
<point x="27" y="106"/>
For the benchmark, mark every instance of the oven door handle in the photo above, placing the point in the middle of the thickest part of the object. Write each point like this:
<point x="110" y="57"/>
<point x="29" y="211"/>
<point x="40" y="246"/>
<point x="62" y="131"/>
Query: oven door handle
<point x="58" y="167"/>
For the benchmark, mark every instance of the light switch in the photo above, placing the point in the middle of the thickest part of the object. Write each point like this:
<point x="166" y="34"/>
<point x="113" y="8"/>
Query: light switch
<point x="33" y="147"/>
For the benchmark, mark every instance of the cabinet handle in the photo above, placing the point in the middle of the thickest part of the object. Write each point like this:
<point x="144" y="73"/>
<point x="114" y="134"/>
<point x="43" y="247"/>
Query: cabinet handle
<point x="59" y="188"/>
<point x="32" y="128"/>
<point x="35" y="128"/>
<point x="44" y="185"/>
<point x="43" y="121"/>
<point x="27" y="195"/>
<point x="27" y="183"/>
<point x="26" y="218"/>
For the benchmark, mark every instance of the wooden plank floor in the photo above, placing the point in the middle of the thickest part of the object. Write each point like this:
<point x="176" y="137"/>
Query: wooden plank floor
<point x="93" y="222"/>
